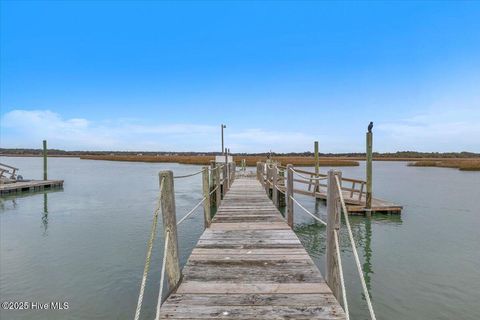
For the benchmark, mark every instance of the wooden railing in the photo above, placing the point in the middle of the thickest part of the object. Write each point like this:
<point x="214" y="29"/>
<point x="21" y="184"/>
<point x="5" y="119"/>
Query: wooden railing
<point x="7" y="171"/>
<point x="268" y="175"/>
<point x="355" y="189"/>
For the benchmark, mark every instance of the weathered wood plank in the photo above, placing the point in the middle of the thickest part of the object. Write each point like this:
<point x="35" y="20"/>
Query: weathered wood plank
<point x="249" y="264"/>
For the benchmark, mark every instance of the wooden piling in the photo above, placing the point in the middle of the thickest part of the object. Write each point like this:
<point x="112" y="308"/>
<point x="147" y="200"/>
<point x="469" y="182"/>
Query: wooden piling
<point x="268" y="180"/>
<point x="218" y="185"/>
<point x="332" y="272"/>
<point x="274" y="185"/>
<point x="206" y="195"/>
<point x="289" y="195"/>
<point x="368" y="203"/>
<point x="167" y="200"/>
<point x="45" y="160"/>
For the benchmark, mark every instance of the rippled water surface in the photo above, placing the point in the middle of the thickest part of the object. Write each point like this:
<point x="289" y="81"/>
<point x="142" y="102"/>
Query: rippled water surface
<point x="86" y="244"/>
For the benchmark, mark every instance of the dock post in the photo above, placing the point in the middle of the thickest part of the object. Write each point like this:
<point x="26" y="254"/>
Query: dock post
<point x="213" y="196"/>
<point x="218" y="193"/>
<point x="368" y="203"/>
<point x="274" y="186"/>
<point x="289" y="195"/>
<point x="258" y="171"/>
<point x="317" y="168"/>
<point x="332" y="273"/>
<point x="45" y="160"/>
<point x="167" y="200"/>
<point x="267" y="181"/>
<point x="206" y="195"/>
<point x="226" y="177"/>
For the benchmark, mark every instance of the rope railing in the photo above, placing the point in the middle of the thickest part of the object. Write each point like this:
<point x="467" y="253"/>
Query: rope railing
<point x="189" y="175"/>
<point x="162" y="275"/>
<point x="308" y="178"/>
<point x="191" y="211"/>
<point x="342" y="280"/>
<point x="166" y="204"/>
<point x="151" y="241"/>
<point x="311" y="214"/>
<point x="335" y="180"/>
<point x="354" y="250"/>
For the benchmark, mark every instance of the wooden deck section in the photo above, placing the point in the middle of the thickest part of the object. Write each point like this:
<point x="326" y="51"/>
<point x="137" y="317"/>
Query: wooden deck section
<point x="29" y="186"/>
<point x="250" y="265"/>
<point x="356" y="206"/>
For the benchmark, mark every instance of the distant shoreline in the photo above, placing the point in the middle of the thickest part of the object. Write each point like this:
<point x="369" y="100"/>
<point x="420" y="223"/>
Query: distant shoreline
<point x="472" y="164"/>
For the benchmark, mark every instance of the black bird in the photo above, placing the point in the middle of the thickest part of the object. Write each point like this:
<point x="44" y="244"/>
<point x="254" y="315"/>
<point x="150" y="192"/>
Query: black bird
<point x="370" y="126"/>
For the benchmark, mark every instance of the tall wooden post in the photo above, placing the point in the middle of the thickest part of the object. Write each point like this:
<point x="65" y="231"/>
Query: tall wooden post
<point x="206" y="195"/>
<point x="258" y="171"/>
<point x="213" y="196"/>
<point x="289" y="195"/>
<point x="268" y="180"/>
<point x="317" y="167"/>
<point x="332" y="273"/>
<point x="167" y="200"/>
<point x="369" y="170"/>
<point x="274" y="185"/>
<point x="226" y="178"/>
<point x="218" y="195"/>
<point x="44" y="159"/>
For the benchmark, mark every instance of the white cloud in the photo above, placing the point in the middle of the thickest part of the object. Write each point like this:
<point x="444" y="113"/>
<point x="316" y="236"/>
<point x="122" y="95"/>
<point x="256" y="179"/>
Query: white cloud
<point x="440" y="130"/>
<point x="26" y="129"/>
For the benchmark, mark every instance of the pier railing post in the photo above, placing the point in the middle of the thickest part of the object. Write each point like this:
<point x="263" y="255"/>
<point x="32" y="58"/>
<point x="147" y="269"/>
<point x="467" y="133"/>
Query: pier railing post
<point x="269" y="177"/>
<point x="225" y="179"/>
<point x="206" y="195"/>
<point x="45" y="160"/>
<point x="274" y="186"/>
<point x="213" y="196"/>
<point x="368" y="202"/>
<point x="332" y="273"/>
<point x="289" y="195"/>
<point x="167" y="201"/>
<point x="218" y="194"/>
<point x="258" y="171"/>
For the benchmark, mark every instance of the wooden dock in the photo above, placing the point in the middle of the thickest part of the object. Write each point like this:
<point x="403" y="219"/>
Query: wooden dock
<point x="314" y="185"/>
<point x="249" y="264"/>
<point x="29" y="186"/>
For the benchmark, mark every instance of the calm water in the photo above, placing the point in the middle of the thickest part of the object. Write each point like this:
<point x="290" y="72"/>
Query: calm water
<point x="86" y="244"/>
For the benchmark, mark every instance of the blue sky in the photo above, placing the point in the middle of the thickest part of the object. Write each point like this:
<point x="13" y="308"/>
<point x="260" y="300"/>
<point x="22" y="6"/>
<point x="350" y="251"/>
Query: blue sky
<point x="165" y="75"/>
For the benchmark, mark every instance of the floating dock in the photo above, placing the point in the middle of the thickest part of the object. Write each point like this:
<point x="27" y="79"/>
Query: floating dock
<point x="29" y="186"/>
<point x="249" y="264"/>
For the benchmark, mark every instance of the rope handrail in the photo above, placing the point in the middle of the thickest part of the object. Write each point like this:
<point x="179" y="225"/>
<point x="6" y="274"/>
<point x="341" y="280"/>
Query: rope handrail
<point x="354" y="250"/>
<point x="191" y="211"/>
<point x="162" y="275"/>
<point x="189" y="175"/>
<point x="282" y="192"/>
<point x="342" y="280"/>
<point x="211" y="192"/>
<point x="304" y="209"/>
<point x="153" y="233"/>
<point x="308" y="178"/>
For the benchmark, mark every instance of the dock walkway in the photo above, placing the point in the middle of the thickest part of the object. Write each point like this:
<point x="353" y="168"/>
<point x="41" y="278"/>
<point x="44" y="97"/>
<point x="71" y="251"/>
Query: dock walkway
<point x="29" y="186"/>
<point x="249" y="264"/>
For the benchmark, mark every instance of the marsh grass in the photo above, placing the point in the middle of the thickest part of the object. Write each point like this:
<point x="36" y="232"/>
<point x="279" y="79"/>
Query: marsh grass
<point x="205" y="160"/>
<point x="464" y="165"/>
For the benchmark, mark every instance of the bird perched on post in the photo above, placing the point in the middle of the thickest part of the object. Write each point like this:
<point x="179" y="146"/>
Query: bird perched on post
<point x="370" y="126"/>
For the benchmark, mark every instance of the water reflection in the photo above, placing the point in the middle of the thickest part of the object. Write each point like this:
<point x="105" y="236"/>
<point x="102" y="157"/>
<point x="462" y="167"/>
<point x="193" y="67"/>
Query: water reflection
<point x="313" y="237"/>
<point x="45" y="214"/>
